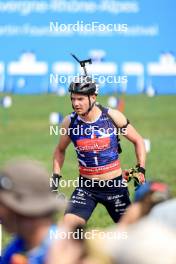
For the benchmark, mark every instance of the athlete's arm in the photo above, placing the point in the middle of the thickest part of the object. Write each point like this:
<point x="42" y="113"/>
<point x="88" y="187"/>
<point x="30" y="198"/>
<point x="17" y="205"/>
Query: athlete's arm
<point x="131" y="134"/>
<point x="59" y="153"/>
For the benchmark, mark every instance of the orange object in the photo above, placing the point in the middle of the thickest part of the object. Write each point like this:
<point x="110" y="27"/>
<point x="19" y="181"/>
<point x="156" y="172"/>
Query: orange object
<point x="121" y="105"/>
<point x="18" y="259"/>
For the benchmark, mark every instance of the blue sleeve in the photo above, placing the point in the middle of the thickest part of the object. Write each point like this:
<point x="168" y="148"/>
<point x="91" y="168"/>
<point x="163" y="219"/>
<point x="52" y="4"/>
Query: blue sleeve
<point x="15" y="246"/>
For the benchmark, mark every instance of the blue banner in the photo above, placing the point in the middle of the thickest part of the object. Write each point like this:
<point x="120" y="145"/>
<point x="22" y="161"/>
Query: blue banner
<point x="136" y="39"/>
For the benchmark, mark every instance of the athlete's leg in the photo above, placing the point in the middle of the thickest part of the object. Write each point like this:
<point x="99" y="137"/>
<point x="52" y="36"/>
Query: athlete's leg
<point x="117" y="206"/>
<point x="81" y="205"/>
<point x="116" y="198"/>
<point x="72" y="221"/>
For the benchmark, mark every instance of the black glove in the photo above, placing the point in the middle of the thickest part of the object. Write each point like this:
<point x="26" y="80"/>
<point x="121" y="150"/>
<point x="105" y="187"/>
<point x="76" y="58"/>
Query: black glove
<point x="137" y="174"/>
<point x="54" y="182"/>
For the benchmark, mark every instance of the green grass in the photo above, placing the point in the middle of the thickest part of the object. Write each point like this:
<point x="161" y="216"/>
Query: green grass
<point x="24" y="131"/>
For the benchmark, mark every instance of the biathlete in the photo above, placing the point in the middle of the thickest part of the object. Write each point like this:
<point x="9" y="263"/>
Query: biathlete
<point x="97" y="148"/>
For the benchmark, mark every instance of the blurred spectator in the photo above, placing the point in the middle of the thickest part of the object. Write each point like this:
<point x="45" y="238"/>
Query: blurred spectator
<point x="76" y="249"/>
<point x="165" y="213"/>
<point x="148" y="243"/>
<point x="146" y="197"/>
<point x="27" y="210"/>
<point x="144" y="241"/>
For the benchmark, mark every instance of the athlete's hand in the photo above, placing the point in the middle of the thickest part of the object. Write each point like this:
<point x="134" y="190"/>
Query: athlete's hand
<point x="137" y="174"/>
<point x="54" y="182"/>
<point x="139" y="179"/>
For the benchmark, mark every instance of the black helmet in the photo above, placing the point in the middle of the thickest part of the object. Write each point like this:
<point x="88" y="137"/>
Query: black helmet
<point x="84" y="85"/>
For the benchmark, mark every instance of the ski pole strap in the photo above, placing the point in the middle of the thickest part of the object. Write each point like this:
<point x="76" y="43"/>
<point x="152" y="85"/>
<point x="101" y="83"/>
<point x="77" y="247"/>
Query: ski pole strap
<point x="54" y="182"/>
<point x="140" y="169"/>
